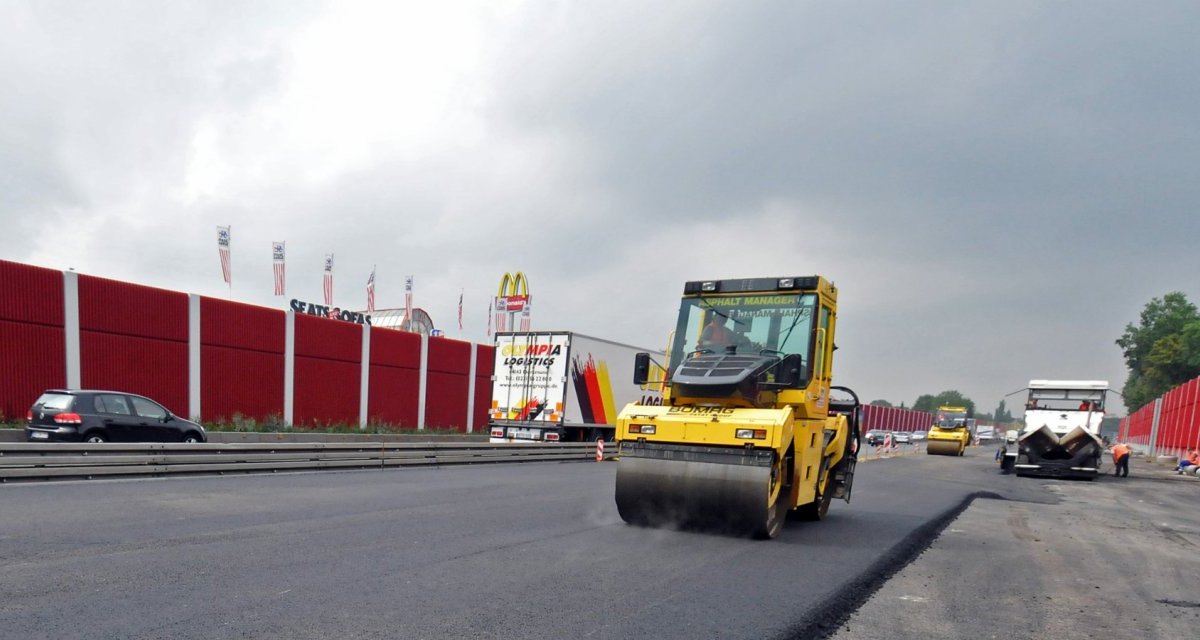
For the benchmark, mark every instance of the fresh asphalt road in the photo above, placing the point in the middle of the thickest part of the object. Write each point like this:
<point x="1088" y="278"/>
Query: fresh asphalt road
<point x="503" y="551"/>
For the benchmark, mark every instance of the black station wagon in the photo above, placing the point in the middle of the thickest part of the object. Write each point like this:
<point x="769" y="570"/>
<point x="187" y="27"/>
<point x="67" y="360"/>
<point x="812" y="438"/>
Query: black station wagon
<point x="105" y="416"/>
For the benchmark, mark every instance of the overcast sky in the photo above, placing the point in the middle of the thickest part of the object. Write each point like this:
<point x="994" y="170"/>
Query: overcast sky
<point x="995" y="187"/>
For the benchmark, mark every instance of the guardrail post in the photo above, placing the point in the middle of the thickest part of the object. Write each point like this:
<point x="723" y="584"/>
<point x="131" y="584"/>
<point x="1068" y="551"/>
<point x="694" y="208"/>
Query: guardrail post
<point x="194" y="356"/>
<point x="289" y="366"/>
<point x="1154" y="427"/>
<point x="365" y="378"/>
<point x="71" y="328"/>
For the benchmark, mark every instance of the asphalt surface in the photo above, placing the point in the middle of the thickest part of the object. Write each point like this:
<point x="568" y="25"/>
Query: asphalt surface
<point x="502" y="551"/>
<point x="1111" y="558"/>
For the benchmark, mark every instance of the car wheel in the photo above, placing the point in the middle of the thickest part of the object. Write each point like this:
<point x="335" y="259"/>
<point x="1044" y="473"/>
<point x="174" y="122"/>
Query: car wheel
<point x="94" y="437"/>
<point x="191" y="437"/>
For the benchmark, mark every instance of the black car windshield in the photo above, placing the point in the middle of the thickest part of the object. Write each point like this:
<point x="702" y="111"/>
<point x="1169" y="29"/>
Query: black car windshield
<point x="54" y="401"/>
<point x="780" y="323"/>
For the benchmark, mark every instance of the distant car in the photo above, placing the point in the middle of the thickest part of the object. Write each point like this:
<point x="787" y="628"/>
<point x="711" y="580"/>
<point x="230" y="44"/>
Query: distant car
<point x="875" y="437"/>
<point x="61" y="415"/>
<point x="919" y="435"/>
<point x="902" y="437"/>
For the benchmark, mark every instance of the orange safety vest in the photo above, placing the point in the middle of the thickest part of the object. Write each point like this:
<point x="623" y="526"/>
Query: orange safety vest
<point x="1120" y="451"/>
<point x="1194" y="457"/>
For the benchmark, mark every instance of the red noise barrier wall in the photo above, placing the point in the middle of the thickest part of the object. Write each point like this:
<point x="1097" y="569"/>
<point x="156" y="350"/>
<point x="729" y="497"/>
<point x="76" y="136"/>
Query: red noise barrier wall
<point x="134" y="339"/>
<point x="485" y="364"/>
<point x="215" y="359"/>
<point x="328" y="370"/>
<point x="1137" y="426"/>
<point x="895" y="419"/>
<point x="1170" y="424"/>
<point x="395" y="377"/>
<point x="32" y="343"/>
<point x="241" y="361"/>
<point x="1178" y="419"/>
<point x="449" y="376"/>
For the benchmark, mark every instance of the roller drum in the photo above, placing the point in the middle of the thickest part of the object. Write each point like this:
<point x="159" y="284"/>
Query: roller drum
<point x="733" y="498"/>
<point x="943" y="447"/>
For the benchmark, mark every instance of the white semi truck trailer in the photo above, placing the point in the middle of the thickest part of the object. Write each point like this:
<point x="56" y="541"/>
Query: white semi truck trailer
<point x="561" y="386"/>
<point x="1061" y="436"/>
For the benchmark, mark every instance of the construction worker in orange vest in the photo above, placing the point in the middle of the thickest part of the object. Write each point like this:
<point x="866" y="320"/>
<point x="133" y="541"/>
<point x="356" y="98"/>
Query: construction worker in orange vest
<point x="1186" y="465"/>
<point x="1120" y="454"/>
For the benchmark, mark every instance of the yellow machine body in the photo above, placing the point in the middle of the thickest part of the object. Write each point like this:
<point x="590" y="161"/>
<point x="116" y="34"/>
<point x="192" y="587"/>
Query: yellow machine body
<point x="949" y="434"/>
<point x="748" y="429"/>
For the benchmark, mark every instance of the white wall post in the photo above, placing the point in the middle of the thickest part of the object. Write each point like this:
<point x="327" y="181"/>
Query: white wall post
<point x="1154" y="427"/>
<point x="194" y="357"/>
<point x="471" y="390"/>
<point x="365" y="377"/>
<point x="423" y="378"/>
<point x="289" y="367"/>
<point x="71" y="328"/>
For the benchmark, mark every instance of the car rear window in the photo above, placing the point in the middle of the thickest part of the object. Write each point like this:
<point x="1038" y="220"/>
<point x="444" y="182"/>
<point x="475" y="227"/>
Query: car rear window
<point x="54" y="401"/>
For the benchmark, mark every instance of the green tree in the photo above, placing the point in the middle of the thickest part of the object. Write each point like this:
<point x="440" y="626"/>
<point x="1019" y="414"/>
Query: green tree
<point x="1002" y="414"/>
<point x="881" y="403"/>
<point x="950" y="398"/>
<point x="1163" y="350"/>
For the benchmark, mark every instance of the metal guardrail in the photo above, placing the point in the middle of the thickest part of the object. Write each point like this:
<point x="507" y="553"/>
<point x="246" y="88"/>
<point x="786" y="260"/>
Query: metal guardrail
<point x="70" y="461"/>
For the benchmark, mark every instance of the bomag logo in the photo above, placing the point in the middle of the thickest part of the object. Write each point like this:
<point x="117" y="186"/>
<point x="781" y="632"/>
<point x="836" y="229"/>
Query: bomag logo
<point x="712" y="411"/>
<point x="531" y="350"/>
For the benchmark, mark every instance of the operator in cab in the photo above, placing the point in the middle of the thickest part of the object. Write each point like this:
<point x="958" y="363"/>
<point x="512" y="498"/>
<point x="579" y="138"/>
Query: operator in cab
<point x="715" y="334"/>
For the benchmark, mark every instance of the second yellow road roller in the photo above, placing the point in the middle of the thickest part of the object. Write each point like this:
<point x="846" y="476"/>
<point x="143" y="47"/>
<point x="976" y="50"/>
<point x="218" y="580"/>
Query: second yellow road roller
<point x="949" y="434"/>
<point x="750" y="427"/>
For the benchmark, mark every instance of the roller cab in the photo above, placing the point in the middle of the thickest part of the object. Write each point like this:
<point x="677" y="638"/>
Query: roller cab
<point x="750" y="426"/>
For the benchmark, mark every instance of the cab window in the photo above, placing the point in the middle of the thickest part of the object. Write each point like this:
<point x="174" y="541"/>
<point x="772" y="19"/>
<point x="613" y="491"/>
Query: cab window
<point x="822" y="369"/>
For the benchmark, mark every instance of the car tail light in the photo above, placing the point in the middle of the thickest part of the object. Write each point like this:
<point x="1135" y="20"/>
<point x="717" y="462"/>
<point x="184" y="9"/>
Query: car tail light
<point x="68" y="418"/>
<point x="29" y="416"/>
<point x="497" y="433"/>
<point x="551" y="436"/>
<point x="751" y="434"/>
<point x="645" y="429"/>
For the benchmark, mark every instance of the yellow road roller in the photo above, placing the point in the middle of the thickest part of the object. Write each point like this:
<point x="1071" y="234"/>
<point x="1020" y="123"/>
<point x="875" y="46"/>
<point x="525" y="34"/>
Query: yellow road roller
<point x="750" y="426"/>
<point x="949" y="434"/>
